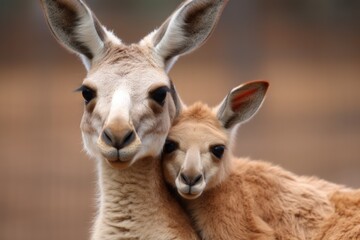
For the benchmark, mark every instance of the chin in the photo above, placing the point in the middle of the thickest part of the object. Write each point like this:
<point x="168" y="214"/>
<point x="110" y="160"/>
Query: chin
<point x="189" y="196"/>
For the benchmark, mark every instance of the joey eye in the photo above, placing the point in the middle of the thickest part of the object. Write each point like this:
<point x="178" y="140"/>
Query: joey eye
<point x="217" y="150"/>
<point x="170" y="146"/>
<point x="159" y="95"/>
<point x="87" y="93"/>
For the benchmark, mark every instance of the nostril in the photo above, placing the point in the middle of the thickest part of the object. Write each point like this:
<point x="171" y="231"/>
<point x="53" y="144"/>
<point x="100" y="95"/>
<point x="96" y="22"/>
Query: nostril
<point x="117" y="139"/>
<point x="129" y="137"/>
<point x="185" y="179"/>
<point x="191" y="181"/>
<point x="197" y="179"/>
<point x="107" y="137"/>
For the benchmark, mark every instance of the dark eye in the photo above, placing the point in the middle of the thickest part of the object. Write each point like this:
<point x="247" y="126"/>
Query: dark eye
<point x="170" y="146"/>
<point x="87" y="93"/>
<point x="159" y="95"/>
<point x="218" y="150"/>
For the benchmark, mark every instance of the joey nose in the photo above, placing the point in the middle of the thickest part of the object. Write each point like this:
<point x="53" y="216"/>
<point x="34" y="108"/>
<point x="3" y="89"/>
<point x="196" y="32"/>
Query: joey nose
<point x="118" y="140"/>
<point x="191" y="180"/>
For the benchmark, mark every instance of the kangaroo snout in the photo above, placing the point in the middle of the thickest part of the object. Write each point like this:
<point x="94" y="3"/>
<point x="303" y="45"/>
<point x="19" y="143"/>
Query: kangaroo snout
<point x="191" y="180"/>
<point x="118" y="142"/>
<point x="118" y="139"/>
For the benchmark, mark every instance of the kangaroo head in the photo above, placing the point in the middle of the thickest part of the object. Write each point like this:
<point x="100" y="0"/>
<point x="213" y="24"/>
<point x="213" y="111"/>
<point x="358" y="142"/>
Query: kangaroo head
<point x="130" y="101"/>
<point x="196" y="155"/>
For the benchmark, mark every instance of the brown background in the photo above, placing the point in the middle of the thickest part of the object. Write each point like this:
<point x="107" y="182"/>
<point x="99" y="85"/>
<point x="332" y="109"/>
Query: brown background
<point x="310" y="123"/>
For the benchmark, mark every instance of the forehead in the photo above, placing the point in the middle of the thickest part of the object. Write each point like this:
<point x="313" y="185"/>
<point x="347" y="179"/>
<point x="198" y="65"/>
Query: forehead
<point x="198" y="126"/>
<point x="191" y="133"/>
<point x="131" y="67"/>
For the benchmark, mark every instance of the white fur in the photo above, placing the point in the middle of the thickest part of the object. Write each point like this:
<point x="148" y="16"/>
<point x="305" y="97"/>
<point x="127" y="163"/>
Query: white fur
<point x="120" y="106"/>
<point x="111" y="37"/>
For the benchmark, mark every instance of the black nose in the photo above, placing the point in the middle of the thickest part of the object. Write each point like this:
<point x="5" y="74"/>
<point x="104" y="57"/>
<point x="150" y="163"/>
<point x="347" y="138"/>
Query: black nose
<point x="118" y="141"/>
<point x="189" y="180"/>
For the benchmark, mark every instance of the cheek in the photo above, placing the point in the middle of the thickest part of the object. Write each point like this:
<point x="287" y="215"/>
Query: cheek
<point x="212" y="172"/>
<point x="151" y="125"/>
<point x="165" y="117"/>
<point x="90" y="125"/>
<point x="172" y="165"/>
<point x="159" y="119"/>
<point x="151" y="128"/>
<point x="170" y="171"/>
<point x="90" y="146"/>
<point x="164" y="123"/>
<point x="171" y="108"/>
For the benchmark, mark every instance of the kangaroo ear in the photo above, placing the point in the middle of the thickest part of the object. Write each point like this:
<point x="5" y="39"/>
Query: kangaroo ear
<point x="186" y="29"/>
<point x="242" y="103"/>
<point x="75" y="27"/>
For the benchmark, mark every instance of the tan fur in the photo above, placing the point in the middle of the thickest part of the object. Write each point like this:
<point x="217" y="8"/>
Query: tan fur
<point x="200" y="113"/>
<point x="133" y="202"/>
<point x="344" y="223"/>
<point x="136" y="205"/>
<point x="254" y="199"/>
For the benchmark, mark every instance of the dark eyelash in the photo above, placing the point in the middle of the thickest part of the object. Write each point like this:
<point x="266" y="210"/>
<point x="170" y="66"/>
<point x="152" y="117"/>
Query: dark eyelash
<point x="87" y="93"/>
<point x="81" y="88"/>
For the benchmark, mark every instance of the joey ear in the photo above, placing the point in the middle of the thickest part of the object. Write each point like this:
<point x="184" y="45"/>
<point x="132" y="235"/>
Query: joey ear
<point x="186" y="29"/>
<point x="75" y="27"/>
<point x="242" y="103"/>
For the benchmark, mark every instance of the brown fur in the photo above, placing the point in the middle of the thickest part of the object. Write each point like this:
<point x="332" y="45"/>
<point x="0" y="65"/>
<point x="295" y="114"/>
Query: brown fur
<point x="257" y="200"/>
<point x="344" y="223"/>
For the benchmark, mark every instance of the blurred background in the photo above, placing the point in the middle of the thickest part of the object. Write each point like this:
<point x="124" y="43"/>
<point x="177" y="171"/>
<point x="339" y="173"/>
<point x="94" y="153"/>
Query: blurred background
<point x="309" y="50"/>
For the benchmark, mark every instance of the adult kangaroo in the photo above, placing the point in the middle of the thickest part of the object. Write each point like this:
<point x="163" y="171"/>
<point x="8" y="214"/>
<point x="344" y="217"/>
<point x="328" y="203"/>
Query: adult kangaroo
<point x="130" y="104"/>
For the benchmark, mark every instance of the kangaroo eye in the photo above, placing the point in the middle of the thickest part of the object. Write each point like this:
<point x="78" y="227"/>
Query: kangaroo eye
<point x="87" y="93"/>
<point x="159" y="95"/>
<point x="170" y="146"/>
<point x="218" y="150"/>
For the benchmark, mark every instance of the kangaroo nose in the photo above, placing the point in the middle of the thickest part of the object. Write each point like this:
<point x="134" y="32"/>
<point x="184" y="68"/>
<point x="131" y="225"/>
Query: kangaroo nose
<point x="191" y="180"/>
<point x="119" y="140"/>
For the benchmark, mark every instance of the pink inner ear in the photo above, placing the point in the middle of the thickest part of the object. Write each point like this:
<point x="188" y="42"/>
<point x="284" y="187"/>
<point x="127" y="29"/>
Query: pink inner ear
<point x="238" y="100"/>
